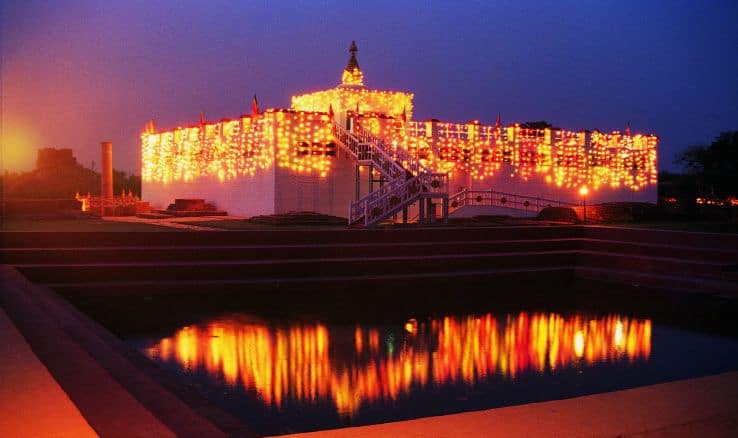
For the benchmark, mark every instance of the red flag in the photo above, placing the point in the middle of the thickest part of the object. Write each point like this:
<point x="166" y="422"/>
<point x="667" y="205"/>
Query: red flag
<point x="254" y="107"/>
<point x="330" y="111"/>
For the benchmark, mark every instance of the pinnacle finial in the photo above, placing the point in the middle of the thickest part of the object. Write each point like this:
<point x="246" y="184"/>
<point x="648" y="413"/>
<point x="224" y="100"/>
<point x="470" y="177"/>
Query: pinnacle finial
<point x="352" y="74"/>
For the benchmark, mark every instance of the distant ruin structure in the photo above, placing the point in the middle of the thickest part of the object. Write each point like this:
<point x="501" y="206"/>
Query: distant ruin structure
<point x="48" y="158"/>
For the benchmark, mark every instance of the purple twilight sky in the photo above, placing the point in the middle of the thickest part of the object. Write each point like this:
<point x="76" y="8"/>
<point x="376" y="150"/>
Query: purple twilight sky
<point x="78" y="72"/>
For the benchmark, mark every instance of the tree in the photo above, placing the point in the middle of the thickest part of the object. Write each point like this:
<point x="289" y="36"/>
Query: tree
<point x="715" y="167"/>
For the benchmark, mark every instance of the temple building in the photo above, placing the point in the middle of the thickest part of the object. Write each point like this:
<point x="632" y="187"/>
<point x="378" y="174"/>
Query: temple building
<point x="356" y="152"/>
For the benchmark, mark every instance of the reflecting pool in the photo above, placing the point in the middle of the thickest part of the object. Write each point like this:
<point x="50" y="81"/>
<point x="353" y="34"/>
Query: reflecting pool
<point x="284" y="377"/>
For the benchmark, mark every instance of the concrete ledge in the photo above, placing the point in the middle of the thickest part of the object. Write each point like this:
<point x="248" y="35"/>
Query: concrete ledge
<point x="272" y="259"/>
<point x="350" y="236"/>
<point x="675" y="283"/>
<point x="151" y="253"/>
<point x="706" y="406"/>
<point x="105" y="404"/>
<point x="118" y="394"/>
<point x="502" y="277"/>
<point x="31" y="401"/>
<point x="115" y="396"/>
<point x="112" y="353"/>
<point x="684" y="238"/>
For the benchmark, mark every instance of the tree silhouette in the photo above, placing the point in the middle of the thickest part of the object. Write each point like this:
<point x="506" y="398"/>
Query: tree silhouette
<point x="715" y="166"/>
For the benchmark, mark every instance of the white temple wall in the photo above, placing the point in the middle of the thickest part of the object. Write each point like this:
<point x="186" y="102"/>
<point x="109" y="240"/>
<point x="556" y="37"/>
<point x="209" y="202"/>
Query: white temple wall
<point x="537" y="187"/>
<point x="459" y="181"/>
<point x="241" y="196"/>
<point x="310" y="192"/>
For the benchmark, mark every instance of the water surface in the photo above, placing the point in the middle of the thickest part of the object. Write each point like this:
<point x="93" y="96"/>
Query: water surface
<point x="280" y="376"/>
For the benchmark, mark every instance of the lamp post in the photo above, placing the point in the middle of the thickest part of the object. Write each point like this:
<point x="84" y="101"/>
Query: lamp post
<point x="583" y="191"/>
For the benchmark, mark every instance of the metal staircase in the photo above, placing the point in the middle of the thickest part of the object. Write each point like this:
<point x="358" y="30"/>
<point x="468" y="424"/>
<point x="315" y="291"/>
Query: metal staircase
<point x="407" y="179"/>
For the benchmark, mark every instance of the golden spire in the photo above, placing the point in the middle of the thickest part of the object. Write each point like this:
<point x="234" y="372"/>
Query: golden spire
<point x="352" y="74"/>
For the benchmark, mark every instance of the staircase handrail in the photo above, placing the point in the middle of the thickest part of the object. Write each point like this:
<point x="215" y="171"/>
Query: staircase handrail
<point x="383" y="162"/>
<point x="407" y="177"/>
<point x="393" y="199"/>
<point x="344" y="137"/>
<point x="399" y="153"/>
<point x="427" y="183"/>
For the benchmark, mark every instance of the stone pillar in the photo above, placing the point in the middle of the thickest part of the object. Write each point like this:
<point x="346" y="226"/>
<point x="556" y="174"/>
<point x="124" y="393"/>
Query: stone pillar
<point x="106" y="170"/>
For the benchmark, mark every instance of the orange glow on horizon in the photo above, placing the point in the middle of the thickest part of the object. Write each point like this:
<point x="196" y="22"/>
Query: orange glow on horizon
<point x="296" y="362"/>
<point x="19" y="143"/>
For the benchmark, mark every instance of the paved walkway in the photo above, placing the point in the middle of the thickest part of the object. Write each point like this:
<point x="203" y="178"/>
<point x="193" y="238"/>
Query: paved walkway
<point x="701" y="407"/>
<point x="175" y="222"/>
<point x="32" y="404"/>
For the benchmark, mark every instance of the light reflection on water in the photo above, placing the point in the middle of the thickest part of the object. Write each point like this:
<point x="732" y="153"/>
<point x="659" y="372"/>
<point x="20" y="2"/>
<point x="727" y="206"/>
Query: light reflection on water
<point x="307" y="362"/>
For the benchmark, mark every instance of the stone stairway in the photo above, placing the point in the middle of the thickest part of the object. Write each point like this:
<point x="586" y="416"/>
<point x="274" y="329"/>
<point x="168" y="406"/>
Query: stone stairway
<point x="263" y="262"/>
<point x="150" y="263"/>
<point x="693" y="262"/>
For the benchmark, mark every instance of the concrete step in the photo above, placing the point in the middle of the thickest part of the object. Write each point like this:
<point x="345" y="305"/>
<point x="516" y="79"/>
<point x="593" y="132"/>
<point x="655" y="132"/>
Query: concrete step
<point x="656" y="265"/>
<point x="289" y="268"/>
<point x="267" y="237"/>
<point x="180" y="407"/>
<point x="680" y="238"/>
<point x="673" y="250"/>
<point x="403" y="283"/>
<point x="18" y="256"/>
<point x="679" y="283"/>
<point x="106" y="404"/>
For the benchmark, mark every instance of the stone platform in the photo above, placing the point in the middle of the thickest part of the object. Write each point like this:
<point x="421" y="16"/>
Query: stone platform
<point x="65" y="376"/>
<point x="117" y="392"/>
<point x="706" y="406"/>
<point x="168" y="262"/>
<point x="31" y="402"/>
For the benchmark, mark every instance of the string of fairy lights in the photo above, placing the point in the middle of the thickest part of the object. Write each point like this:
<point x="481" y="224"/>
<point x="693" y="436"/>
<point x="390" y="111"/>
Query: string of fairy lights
<point x="359" y="100"/>
<point x="240" y="148"/>
<point x="300" y="140"/>
<point x="566" y="159"/>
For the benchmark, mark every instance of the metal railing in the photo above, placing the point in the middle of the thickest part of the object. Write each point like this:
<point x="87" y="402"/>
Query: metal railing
<point x="394" y="195"/>
<point x="407" y="178"/>
<point x="402" y="156"/>
<point x="502" y="199"/>
<point x="362" y="149"/>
